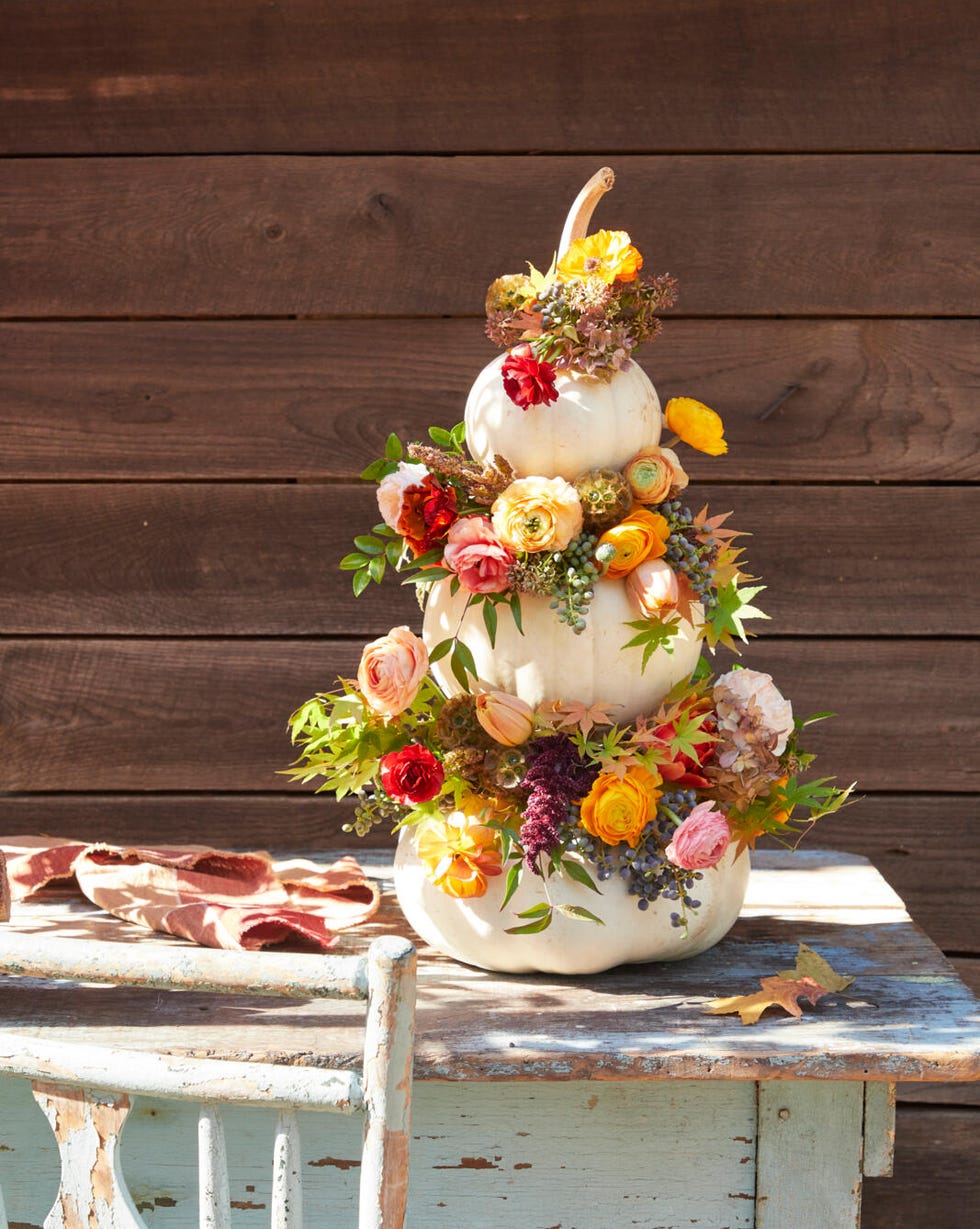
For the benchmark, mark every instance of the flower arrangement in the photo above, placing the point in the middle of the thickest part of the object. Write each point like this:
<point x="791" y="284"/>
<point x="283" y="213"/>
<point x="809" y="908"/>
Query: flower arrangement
<point x="496" y="537"/>
<point x="498" y="788"/>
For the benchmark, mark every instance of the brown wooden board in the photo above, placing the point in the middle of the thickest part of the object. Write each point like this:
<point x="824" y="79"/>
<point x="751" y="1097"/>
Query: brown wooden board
<point x="877" y="399"/>
<point x="935" y="1180"/>
<point x="935" y="876"/>
<point x="283" y="236"/>
<point x="261" y="559"/>
<point x="306" y="75"/>
<point x="169" y="714"/>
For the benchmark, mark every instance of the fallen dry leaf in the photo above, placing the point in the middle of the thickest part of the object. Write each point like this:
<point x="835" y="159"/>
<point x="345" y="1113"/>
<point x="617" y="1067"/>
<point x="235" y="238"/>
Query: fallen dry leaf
<point x="811" y="979"/>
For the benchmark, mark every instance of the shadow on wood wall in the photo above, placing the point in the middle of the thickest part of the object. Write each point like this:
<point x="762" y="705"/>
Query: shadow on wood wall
<point x="239" y="243"/>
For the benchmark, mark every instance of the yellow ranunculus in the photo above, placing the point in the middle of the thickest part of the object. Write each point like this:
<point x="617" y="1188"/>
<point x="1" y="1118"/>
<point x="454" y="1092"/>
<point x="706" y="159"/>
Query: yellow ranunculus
<point x="641" y="535"/>
<point x="696" y="425"/>
<point x="536" y="514"/>
<point x="458" y="854"/>
<point x="607" y="255"/>
<point x="617" y="809"/>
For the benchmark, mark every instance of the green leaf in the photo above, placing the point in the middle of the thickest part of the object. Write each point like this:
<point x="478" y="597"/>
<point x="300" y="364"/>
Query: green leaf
<point x="532" y="928"/>
<point x="353" y="561"/>
<point x="440" y="650"/>
<point x="458" y="667"/>
<point x="576" y="871"/>
<point x="510" y="886"/>
<point x="376" y="568"/>
<point x="378" y="469"/>
<point x="440" y="437"/>
<point x="427" y="575"/>
<point x="458" y="435"/>
<point x="490" y="621"/>
<point x="465" y="657"/>
<point x="515" y="610"/>
<point x="370" y="546"/>
<point x="393" y="552"/>
<point x="454" y="586"/>
<point x="393" y="448"/>
<point x="580" y="914"/>
<point x="538" y="910"/>
<point x="360" y="581"/>
<point x="654" y="634"/>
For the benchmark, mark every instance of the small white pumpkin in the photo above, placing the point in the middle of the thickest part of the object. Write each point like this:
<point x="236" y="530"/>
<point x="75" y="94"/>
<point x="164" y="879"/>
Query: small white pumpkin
<point x="473" y="930"/>
<point x="592" y="425"/>
<point x="550" y="662"/>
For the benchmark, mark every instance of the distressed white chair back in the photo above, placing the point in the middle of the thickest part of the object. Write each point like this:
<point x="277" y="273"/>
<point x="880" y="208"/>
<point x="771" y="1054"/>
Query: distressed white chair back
<point x="85" y="1090"/>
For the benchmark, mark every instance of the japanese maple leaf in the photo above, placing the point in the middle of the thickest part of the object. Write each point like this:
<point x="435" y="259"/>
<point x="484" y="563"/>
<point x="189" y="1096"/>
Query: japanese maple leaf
<point x="578" y="714"/>
<point x="711" y="526"/>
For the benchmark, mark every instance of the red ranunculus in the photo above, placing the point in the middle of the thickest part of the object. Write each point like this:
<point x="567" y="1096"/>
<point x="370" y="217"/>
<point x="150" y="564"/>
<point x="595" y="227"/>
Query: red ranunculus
<point x="412" y="774"/>
<point x="685" y="772"/>
<point x="527" y="379"/>
<point x="428" y="510"/>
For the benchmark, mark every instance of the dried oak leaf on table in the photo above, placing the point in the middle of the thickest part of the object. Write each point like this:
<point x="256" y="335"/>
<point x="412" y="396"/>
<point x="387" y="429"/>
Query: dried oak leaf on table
<point x="811" y="979"/>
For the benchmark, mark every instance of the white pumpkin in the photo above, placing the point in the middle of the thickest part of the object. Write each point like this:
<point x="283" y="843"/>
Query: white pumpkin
<point x="473" y="931"/>
<point x="550" y="662"/>
<point x="592" y="425"/>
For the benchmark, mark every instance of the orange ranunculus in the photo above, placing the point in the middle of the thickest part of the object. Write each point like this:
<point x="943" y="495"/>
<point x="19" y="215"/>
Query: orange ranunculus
<point x="458" y="854"/>
<point x="654" y="473"/>
<point x="617" y="809"/>
<point x="641" y="535"/>
<point x="696" y="425"/>
<point x="536" y="514"/>
<point x="607" y="255"/>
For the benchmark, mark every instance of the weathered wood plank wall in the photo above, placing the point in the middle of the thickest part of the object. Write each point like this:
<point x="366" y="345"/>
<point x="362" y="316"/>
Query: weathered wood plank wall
<point x="239" y="242"/>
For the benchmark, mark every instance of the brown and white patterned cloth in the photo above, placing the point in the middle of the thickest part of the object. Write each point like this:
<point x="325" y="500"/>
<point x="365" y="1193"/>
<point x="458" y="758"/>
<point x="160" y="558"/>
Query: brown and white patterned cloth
<point x="213" y="897"/>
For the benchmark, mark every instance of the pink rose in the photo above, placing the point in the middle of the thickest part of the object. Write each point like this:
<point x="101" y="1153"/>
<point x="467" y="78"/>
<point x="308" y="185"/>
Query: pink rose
<point x="652" y="587"/>
<point x="392" y="488"/>
<point x="391" y="671"/>
<point x="700" y="840"/>
<point x="477" y="556"/>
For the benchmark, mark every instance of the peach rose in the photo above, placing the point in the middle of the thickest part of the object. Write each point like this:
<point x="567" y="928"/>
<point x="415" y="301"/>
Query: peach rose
<point x="617" y="809"/>
<point x="392" y="488"/>
<point x="701" y="839"/>
<point x="391" y="671"/>
<point x="641" y="535"/>
<point x="654" y="473"/>
<point x="476" y="555"/>
<point x="652" y="587"/>
<point x="537" y="514"/>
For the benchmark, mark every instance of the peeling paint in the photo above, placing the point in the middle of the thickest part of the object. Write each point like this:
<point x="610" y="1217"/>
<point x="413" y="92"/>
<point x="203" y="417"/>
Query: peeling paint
<point x="523" y="1165"/>
<point x="472" y="1162"/>
<point x="246" y="1205"/>
<point x="336" y="1162"/>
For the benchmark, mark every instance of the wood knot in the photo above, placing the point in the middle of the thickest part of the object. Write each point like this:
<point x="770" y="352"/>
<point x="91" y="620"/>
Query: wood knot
<point x="274" y="232"/>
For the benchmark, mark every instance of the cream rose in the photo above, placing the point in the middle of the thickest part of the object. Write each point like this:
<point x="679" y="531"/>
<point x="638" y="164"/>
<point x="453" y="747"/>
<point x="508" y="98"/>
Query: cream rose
<point x="537" y="514"/>
<point x="391" y="671"/>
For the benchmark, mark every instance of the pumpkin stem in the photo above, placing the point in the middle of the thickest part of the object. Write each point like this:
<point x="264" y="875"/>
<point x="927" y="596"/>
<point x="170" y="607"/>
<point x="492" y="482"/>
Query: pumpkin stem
<point x="580" y="214"/>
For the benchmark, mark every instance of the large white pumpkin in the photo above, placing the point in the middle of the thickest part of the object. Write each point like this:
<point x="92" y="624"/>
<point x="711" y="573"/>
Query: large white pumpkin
<point x="473" y="931"/>
<point x="550" y="662"/>
<point x="592" y="425"/>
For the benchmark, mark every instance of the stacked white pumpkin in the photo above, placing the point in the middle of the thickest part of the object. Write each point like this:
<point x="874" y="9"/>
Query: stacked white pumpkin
<point x="592" y="425"/>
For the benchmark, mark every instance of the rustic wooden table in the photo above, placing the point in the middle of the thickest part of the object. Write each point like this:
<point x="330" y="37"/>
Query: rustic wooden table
<point x="587" y="1103"/>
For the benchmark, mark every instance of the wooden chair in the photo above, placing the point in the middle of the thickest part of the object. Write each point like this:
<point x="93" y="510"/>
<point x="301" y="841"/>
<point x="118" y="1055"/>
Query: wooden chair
<point x="85" y="1090"/>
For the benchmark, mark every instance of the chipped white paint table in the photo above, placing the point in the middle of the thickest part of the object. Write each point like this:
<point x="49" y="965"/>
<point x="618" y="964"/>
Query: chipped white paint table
<point x="590" y="1103"/>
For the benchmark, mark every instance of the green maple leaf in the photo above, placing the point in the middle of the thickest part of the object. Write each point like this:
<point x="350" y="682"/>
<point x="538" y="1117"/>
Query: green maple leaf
<point x="726" y="619"/>
<point x="653" y="634"/>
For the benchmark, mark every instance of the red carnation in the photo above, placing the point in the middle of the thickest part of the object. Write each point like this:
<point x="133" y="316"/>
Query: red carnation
<point x="412" y="774"/>
<point x="428" y="510"/>
<point x="527" y="379"/>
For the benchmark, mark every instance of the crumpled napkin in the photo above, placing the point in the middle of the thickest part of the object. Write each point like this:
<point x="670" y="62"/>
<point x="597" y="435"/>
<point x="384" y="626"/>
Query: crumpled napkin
<point x="213" y="897"/>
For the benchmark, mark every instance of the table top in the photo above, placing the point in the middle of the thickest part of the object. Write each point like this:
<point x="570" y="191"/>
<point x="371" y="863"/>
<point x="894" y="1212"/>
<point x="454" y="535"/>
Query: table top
<point x="907" y="1016"/>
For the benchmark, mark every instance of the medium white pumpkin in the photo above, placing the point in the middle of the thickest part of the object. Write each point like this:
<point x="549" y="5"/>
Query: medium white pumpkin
<point x="592" y="425"/>
<point x="473" y="931"/>
<point x="550" y="662"/>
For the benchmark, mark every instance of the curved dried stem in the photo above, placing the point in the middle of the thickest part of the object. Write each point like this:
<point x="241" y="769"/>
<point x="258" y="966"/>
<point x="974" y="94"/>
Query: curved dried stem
<point x="580" y="214"/>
